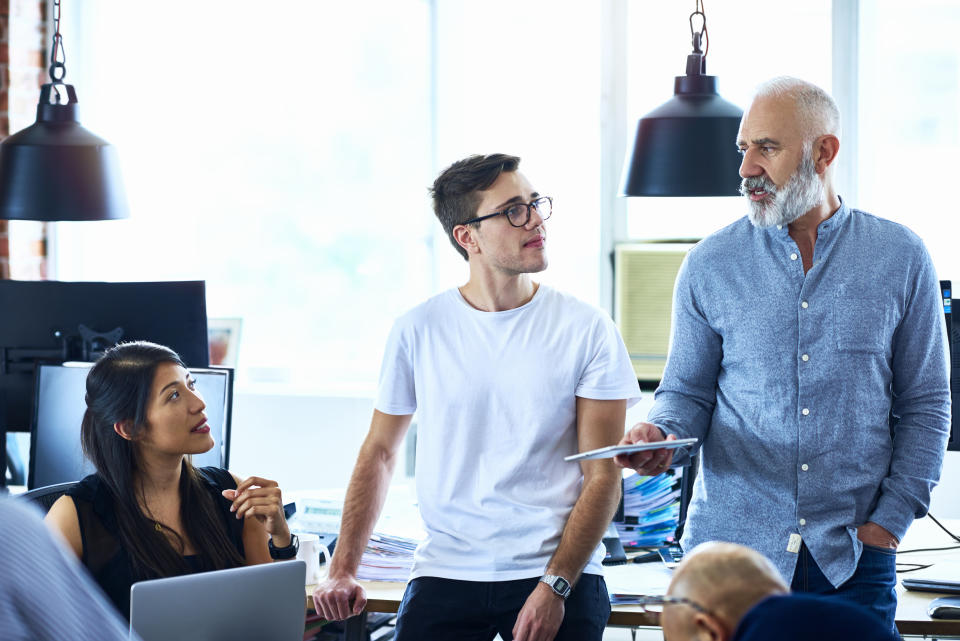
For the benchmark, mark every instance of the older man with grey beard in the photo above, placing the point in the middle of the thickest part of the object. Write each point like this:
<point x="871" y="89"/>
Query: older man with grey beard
<point x="809" y="358"/>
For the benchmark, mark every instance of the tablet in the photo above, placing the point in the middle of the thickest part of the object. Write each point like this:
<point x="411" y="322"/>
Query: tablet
<point x="613" y="450"/>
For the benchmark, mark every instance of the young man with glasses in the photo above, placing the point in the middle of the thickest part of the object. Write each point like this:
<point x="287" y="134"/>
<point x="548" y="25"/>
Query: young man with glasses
<point x="507" y="377"/>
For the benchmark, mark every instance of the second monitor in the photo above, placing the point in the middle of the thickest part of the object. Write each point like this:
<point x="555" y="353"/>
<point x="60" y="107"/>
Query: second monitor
<point x="55" y="452"/>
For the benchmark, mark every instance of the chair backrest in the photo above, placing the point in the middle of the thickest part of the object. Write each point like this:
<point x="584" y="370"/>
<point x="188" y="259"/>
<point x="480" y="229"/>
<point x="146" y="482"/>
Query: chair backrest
<point x="46" y="496"/>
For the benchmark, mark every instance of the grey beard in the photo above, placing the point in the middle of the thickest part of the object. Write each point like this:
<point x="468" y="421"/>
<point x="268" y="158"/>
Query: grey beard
<point x="803" y="192"/>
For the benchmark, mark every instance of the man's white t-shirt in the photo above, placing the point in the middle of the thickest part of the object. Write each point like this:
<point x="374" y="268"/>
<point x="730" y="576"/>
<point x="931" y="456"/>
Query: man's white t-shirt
<point x="495" y="397"/>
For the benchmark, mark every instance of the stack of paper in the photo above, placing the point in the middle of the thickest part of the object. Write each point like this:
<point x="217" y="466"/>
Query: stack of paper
<point x="387" y="558"/>
<point x="651" y="510"/>
<point x="389" y="552"/>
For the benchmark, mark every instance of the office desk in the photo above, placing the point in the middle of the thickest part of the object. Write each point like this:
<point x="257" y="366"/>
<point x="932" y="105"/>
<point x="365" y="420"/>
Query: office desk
<point x="652" y="578"/>
<point x="912" y="616"/>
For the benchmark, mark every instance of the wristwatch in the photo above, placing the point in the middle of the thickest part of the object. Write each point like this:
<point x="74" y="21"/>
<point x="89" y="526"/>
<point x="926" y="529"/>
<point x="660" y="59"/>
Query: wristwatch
<point x="288" y="552"/>
<point x="558" y="584"/>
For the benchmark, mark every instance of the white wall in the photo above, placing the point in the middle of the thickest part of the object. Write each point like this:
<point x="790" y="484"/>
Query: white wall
<point x="303" y="442"/>
<point x="945" y="502"/>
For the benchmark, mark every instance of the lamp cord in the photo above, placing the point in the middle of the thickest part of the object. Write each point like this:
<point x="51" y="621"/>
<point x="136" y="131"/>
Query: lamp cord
<point x="58" y="57"/>
<point x="700" y="36"/>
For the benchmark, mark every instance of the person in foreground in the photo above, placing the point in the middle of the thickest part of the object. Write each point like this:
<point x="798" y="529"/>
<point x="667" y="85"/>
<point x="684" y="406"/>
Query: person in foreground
<point x="148" y="512"/>
<point x="728" y="592"/>
<point x="809" y="357"/>
<point x="507" y="377"/>
<point x="45" y="595"/>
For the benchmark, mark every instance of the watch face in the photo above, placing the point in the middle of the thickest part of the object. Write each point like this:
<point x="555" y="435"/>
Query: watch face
<point x="561" y="585"/>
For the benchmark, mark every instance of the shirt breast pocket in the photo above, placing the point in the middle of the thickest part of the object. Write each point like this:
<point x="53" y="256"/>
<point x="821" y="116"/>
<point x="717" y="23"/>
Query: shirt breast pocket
<point x="861" y="325"/>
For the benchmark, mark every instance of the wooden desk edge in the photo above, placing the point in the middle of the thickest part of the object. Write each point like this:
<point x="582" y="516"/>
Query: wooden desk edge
<point x="620" y="615"/>
<point x="926" y="625"/>
<point x="374" y="603"/>
<point x="634" y="616"/>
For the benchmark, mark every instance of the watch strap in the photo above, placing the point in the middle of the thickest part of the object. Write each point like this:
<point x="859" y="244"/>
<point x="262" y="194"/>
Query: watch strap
<point x="558" y="584"/>
<point x="288" y="552"/>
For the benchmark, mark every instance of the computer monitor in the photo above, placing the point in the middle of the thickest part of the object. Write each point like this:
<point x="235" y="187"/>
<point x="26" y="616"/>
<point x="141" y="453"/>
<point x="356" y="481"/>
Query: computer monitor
<point x="55" y="452"/>
<point x="54" y="322"/>
<point x="953" y="339"/>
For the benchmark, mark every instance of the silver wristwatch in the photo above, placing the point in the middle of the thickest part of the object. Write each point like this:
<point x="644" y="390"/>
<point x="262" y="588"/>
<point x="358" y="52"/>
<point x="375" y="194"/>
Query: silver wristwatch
<point x="558" y="584"/>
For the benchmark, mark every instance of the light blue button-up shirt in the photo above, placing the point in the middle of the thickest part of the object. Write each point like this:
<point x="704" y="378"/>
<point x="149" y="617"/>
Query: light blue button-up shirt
<point x="789" y="380"/>
<point x="45" y="593"/>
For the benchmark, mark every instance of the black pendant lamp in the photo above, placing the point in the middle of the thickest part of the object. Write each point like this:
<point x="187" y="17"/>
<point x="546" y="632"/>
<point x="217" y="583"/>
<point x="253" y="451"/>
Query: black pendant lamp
<point x="55" y="169"/>
<point x="687" y="146"/>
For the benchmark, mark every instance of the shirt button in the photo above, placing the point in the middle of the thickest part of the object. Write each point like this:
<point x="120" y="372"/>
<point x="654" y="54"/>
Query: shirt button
<point x="804" y="411"/>
<point x="793" y="256"/>
<point x="804" y="304"/>
<point x="804" y="467"/>
<point x="803" y="521"/>
<point x="805" y="357"/>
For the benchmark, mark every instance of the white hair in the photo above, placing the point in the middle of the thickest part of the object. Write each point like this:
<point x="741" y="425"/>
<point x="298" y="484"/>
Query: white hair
<point x="816" y="109"/>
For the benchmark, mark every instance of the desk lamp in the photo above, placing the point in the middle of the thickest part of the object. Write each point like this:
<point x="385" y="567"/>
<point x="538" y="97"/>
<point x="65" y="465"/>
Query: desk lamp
<point x="55" y="169"/>
<point x="687" y="145"/>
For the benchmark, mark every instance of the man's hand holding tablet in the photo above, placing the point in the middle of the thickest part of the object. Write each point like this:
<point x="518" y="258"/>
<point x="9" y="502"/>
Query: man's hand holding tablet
<point x="649" y="462"/>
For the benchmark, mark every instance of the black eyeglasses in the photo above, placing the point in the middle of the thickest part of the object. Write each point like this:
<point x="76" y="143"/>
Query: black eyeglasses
<point x="518" y="214"/>
<point x="655" y="604"/>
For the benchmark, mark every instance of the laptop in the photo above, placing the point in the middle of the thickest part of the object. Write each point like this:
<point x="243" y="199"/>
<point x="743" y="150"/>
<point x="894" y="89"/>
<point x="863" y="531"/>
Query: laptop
<point x="250" y="603"/>
<point x="932" y="585"/>
<point x="942" y="576"/>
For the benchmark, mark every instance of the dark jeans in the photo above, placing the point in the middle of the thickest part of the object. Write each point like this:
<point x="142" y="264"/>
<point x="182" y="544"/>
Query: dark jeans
<point x="872" y="585"/>
<point x="446" y="609"/>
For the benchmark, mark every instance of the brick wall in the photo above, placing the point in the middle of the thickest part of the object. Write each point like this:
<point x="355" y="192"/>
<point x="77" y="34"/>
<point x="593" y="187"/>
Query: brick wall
<point x="4" y="121"/>
<point x="23" y="68"/>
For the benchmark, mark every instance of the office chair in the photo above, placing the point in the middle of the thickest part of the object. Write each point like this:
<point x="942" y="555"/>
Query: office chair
<point x="46" y="496"/>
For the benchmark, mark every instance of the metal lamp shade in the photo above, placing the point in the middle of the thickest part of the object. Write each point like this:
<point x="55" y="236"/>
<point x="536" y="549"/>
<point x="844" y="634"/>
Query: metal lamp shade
<point x="686" y="146"/>
<point x="57" y="170"/>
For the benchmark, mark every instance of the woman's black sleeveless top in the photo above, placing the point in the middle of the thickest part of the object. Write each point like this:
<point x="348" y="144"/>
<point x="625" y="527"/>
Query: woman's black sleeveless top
<point x="108" y="561"/>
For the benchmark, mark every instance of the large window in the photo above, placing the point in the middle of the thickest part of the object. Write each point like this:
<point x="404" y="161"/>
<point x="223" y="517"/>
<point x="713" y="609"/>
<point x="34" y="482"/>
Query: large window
<point x="282" y="153"/>
<point x="909" y="119"/>
<point x="279" y="151"/>
<point x="523" y="77"/>
<point x="750" y="41"/>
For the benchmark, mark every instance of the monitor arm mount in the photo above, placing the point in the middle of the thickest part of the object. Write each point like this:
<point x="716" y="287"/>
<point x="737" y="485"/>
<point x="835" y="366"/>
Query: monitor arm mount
<point x="85" y="345"/>
<point x="94" y="344"/>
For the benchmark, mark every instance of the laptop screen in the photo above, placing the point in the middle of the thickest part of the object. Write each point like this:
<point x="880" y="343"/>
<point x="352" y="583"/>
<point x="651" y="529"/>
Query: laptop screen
<point x="55" y="452"/>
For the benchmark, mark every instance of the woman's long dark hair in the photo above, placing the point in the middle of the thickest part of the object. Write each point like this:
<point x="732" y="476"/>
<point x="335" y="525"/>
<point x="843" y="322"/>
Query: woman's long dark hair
<point x="118" y="390"/>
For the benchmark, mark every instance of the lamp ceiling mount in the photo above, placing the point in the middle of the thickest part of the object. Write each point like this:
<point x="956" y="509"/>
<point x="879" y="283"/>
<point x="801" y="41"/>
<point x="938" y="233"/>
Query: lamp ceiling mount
<point x="55" y="169"/>
<point x="686" y="146"/>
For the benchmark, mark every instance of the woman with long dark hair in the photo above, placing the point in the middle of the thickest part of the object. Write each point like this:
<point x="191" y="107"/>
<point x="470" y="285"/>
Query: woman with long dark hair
<point x="148" y="512"/>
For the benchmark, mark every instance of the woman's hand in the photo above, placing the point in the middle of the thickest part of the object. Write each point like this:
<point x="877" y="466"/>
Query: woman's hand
<point x="261" y="498"/>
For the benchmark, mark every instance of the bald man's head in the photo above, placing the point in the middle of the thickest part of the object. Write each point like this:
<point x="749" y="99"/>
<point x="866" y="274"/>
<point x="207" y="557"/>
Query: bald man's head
<point x="726" y="580"/>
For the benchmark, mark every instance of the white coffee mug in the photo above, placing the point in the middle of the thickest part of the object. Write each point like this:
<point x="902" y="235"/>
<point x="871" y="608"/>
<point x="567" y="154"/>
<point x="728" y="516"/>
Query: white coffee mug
<point x="309" y="552"/>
